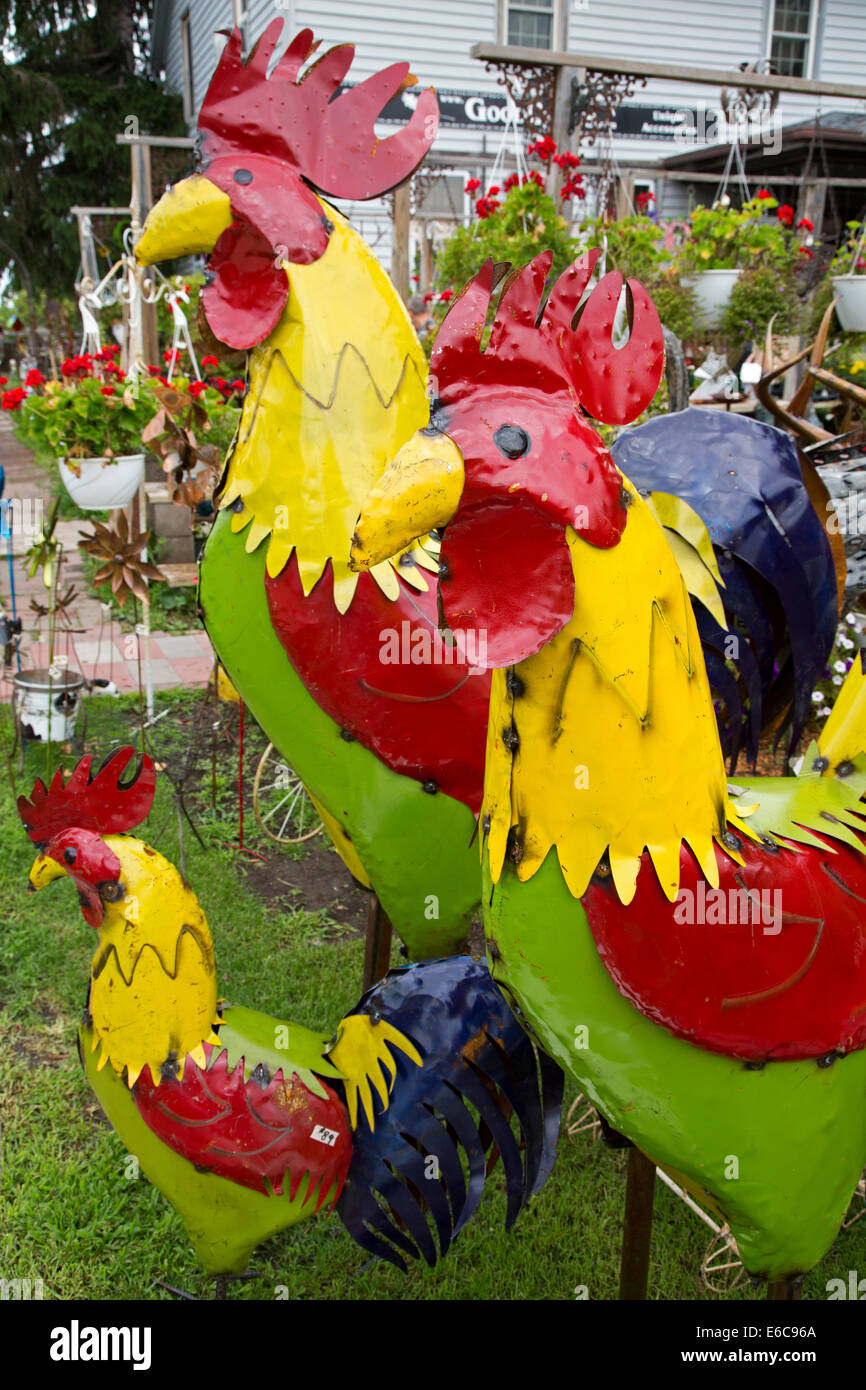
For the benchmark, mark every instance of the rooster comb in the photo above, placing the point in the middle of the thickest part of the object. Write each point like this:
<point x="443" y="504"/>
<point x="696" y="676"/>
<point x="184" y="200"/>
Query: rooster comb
<point x="100" y="802"/>
<point x="561" y="345"/>
<point x="327" y="138"/>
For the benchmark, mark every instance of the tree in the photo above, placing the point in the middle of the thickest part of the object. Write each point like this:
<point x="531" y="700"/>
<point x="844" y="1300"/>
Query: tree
<point x="72" y="73"/>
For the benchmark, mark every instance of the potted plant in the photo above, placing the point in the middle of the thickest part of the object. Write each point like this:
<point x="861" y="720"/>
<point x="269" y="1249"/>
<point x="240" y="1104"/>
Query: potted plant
<point x="723" y="241"/>
<point x="91" y="423"/>
<point x="848" y="278"/>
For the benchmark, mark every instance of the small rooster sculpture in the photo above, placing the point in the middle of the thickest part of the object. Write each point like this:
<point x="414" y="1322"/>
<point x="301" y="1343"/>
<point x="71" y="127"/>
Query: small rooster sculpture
<point x="691" y="952"/>
<point x="247" y="1123"/>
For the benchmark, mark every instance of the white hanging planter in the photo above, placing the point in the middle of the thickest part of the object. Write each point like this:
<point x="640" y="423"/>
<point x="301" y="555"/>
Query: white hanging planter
<point x="46" y="705"/>
<point x="102" y="484"/>
<point x="850" y="291"/>
<point x="712" y="290"/>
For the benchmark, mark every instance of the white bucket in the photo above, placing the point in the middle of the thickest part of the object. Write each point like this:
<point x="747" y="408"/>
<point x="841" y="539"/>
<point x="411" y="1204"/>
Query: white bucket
<point x="47" y="705"/>
<point x="850" y="291"/>
<point x="712" y="289"/>
<point x="103" y="484"/>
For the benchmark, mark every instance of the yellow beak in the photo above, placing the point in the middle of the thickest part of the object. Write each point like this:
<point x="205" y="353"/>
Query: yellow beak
<point x="189" y="219"/>
<point x="419" y="490"/>
<point x="43" y="871"/>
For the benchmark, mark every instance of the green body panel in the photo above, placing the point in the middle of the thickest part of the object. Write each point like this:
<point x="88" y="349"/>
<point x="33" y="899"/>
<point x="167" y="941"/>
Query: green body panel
<point x="794" y="1133"/>
<point x="412" y="846"/>
<point x="253" y="1036"/>
<point x="224" y="1221"/>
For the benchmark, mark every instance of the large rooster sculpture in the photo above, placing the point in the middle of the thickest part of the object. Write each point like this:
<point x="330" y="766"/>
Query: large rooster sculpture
<point x="247" y="1123"/>
<point x="692" y="953"/>
<point x="391" y="750"/>
<point x="349" y="676"/>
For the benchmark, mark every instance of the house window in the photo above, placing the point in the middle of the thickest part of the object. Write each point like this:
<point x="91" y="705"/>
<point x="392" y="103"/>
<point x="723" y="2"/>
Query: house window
<point x="792" y="26"/>
<point x="531" y="23"/>
<point x="186" y="54"/>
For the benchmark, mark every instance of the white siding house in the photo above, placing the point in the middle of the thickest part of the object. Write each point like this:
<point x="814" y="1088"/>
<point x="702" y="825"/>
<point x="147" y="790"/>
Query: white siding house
<point x="820" y="39"/>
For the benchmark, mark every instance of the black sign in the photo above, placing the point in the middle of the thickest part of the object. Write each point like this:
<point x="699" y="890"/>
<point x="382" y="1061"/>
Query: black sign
<point x="489" y="111"/>
<point x="457" y="110"/>
<point x="656" y="122"/>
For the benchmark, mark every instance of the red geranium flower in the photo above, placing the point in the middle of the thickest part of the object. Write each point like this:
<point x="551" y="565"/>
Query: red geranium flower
<point x="544" y="148"/>
<point x="493" y="190"/>
<point x="805" y="225"/>
<point x="3" y="380"/>
<point x="472" y="185"/>
<point x="804" y="251"/>
<point x="762" y="194"/>
<point x="106" y="390"/>
<point x="13" y="400"/>
<point x="511" y="182"/>
<point x="209" y="362"/>
<point x="34" y="378"/>
<point x="785" y="214"/>
<point x="446" y="295"/>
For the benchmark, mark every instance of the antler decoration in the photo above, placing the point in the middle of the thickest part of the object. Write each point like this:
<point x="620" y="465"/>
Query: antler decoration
<point x="554" y="347"/>
<point x="328" y="139"/>
<point x="101" y="802"/>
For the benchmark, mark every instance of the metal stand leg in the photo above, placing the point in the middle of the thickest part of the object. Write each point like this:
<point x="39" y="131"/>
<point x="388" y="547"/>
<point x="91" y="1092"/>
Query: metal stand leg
<point x="786" y="1290"/>
<point x="637" y="1226"/>
<point x="377" y="952"/>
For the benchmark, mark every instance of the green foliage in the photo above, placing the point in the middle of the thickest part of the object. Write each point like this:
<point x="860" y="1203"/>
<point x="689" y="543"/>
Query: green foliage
<point x="526" y="223"/>
<point x="725" y="238"/>
<point x="843" y="262"/>
<point x="78" y="421"/>
<point x="72" y="76"/>
<point x="634" y="246"/>
<point x="676" y="305"/>
<point x="760" y="294"/>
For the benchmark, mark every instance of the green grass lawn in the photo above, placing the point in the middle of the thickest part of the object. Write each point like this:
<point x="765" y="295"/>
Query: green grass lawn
<point x="73" y="1215"/>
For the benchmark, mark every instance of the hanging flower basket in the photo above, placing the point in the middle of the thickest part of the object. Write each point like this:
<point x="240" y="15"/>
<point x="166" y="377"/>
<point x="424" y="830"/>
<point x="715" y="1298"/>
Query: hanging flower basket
<point x="98" y="484"/>
<point x="850" y="292"/>
<point x="712" y="290"/>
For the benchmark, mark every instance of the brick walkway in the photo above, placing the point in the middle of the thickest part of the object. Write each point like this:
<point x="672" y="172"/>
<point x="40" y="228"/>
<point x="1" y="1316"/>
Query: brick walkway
<point x="100" y="648"/>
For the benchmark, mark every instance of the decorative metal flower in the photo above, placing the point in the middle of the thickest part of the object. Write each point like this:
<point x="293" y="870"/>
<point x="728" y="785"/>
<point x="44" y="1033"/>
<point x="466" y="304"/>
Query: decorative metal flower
<point x="191" y="469"/>
<point x="123" y="555"/>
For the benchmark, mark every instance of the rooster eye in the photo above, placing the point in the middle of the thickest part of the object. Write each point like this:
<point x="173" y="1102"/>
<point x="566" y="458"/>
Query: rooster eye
<point x="70" y="855"/>
<point x="110" y="892"/>
<point x="511" y="441"/>
<point x="242" y="176"/>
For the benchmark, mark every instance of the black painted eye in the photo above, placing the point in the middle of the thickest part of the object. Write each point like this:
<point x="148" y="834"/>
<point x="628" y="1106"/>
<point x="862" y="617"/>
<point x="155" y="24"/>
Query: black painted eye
<point x="242" y="176"/>
<point x="70" y="855"/>
<point x="512" y="441"/>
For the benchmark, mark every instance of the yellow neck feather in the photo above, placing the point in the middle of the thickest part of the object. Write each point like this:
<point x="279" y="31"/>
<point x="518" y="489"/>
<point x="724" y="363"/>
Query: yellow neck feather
<point x="334" y="391"/>
<point x="616" y="717"/>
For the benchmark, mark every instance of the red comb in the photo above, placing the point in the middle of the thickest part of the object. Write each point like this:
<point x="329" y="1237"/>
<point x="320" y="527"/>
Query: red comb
<point x="559" y="349"/>
<point x="328" y="139"/>
<point x="102" y="802"/>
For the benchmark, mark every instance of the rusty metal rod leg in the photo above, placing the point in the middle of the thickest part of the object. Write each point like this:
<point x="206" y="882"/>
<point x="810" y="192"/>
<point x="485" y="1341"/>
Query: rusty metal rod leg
<point x="637" y="1226"/>
<point x="785" y="1290"/>
<point x="377" y="949"/>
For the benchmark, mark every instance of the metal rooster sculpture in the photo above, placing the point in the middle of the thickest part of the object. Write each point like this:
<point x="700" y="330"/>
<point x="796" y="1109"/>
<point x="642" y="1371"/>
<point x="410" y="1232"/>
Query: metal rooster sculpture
<point x="383" y="720"/>
<point x="390" y="752"/>
<point x="690" y="952"/>
<point x="247" y="1123"/>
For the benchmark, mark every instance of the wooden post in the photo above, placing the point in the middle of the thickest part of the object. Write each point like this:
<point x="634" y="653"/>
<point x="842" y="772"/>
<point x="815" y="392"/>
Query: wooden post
<point x="560" y="132"/>
<point x="400" y="241"/>
<point x="142" y="199"/>
<point x="637" y="1226"/>
<point x="426" y="256"/>
<point x="812" y="202"/>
